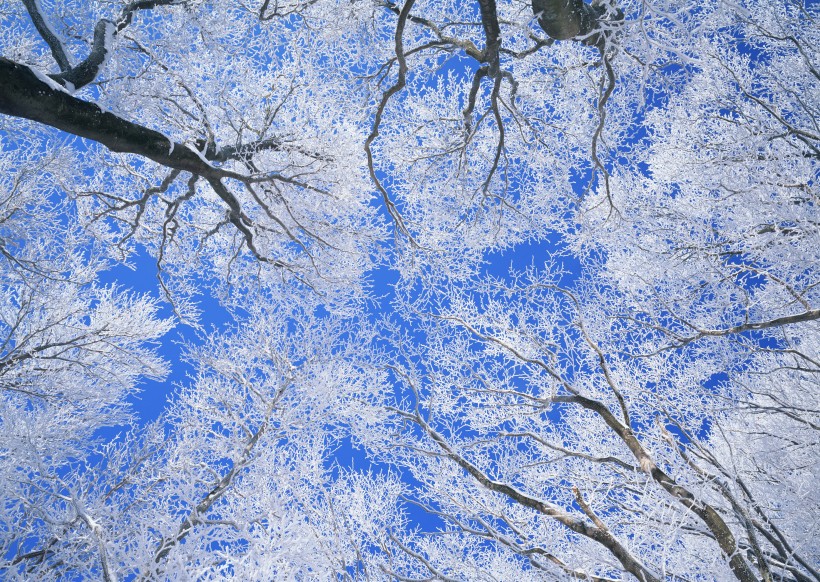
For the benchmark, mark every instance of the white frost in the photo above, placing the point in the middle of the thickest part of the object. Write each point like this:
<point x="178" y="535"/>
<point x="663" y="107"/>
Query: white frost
<point x="199" y="154"/>
<point x="48" y="81"/>
<point x="108" y="40"/>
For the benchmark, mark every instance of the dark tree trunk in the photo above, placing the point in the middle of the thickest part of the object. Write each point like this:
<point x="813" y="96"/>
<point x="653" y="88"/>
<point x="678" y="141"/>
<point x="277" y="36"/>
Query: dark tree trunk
<point x="571" y="19"/>
<point x="565" y="19"/>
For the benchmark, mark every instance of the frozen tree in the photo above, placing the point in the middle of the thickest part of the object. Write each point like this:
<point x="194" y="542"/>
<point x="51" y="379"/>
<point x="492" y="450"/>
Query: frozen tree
<point x="590" y="459"/>
<point x="71" y="350"/>
<point x="240" y="486"/>
<point x="639" y="400"/>
<point x="695" y="155"/>
<point x="239" y="173"/>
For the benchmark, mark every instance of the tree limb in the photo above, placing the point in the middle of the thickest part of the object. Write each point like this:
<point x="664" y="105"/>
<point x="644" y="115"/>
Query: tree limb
<point x="48" y="34"/>
<point x="593" y="532"/>
<point x="565" y="19"/>
<point x="27" y="94"/>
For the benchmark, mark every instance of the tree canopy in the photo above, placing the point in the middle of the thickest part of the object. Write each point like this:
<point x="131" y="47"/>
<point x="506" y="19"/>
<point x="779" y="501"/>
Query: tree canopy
<point x="515" y="291"/>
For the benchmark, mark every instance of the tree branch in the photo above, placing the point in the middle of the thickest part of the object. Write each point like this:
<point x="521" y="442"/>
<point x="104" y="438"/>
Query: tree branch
<point x="492" y="34"/>
<point x="24" y="93"/>
<point x="565" y="19"/>
<point x="104" y="31"/>
<point x="602" y="536"/>
<point x="48" y="34"/>
<point x="27" y="94"/>
<point x="707" y="514"/>
<point x="395" y="88"/>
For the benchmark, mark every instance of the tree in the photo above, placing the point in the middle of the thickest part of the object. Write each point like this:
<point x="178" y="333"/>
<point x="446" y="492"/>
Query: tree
<point x="636" y="399"/>
<point x="628" y="456"/>
<point x="72" y="350"/>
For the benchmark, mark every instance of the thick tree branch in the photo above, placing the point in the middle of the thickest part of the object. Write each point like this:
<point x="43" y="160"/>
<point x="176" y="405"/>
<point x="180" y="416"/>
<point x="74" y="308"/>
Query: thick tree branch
<point x="679" y="341"/>
<point x="565" y="19"/>
<point x="26" y="94"/>
<point x="492" y="34"/>
<point x="48" y="34"/>
<point x="85" y="72"/>
<point x="246" y="151"/>
<point x="810" y="315"/>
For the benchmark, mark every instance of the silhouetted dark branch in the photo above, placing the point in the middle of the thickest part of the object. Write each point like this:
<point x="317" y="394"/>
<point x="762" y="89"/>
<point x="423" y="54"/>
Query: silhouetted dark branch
<point x="53" y="42"/>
